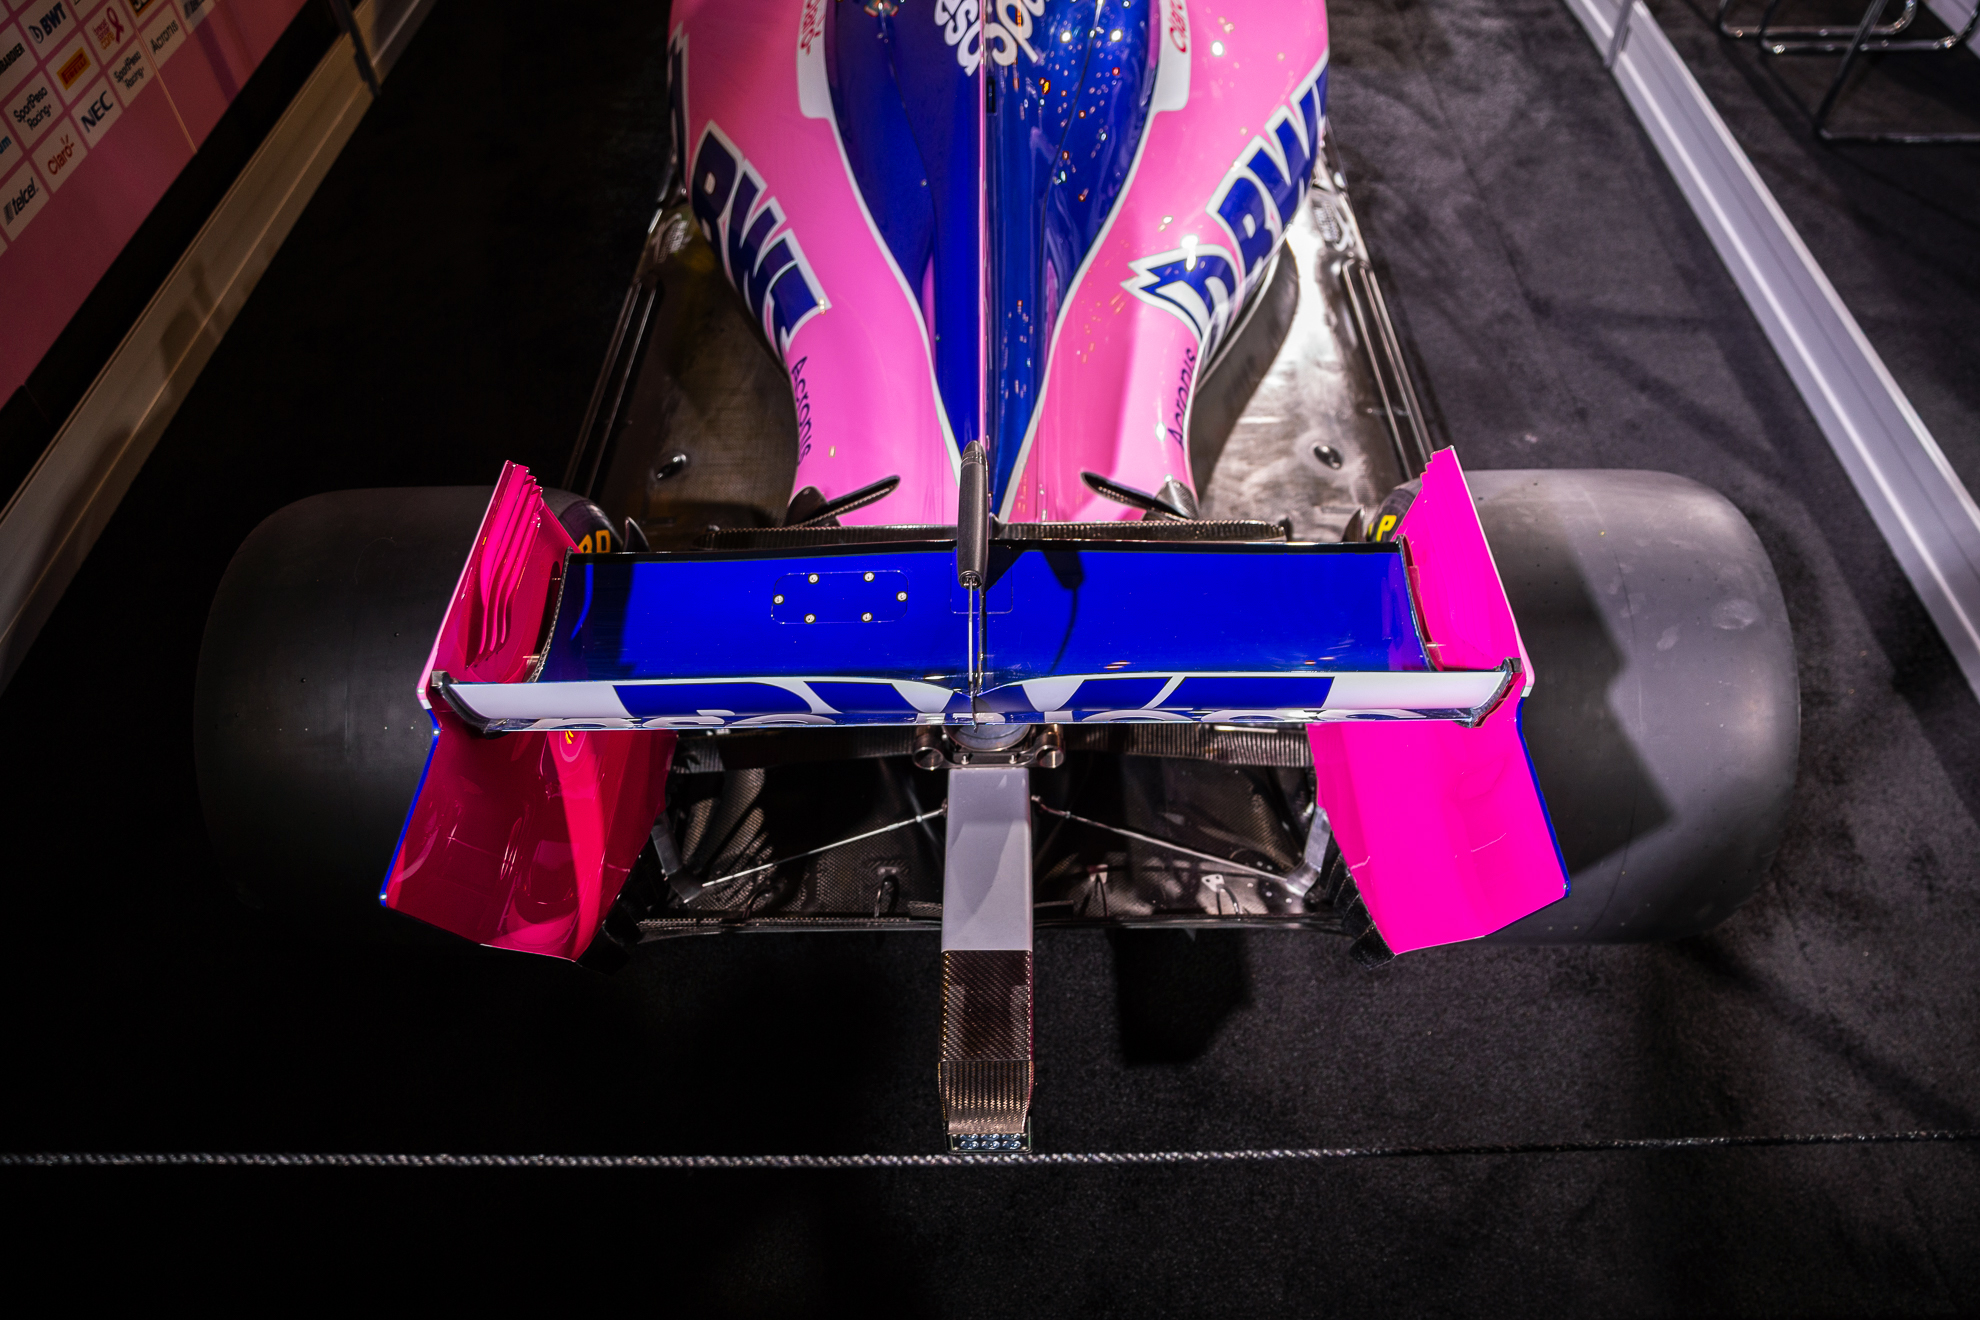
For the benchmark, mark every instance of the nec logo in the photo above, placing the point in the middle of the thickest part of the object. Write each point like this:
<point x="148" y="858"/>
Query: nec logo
<point x="94" y="113"/>
<point x="728" y="199"/>
<point x="1205" y="283"/>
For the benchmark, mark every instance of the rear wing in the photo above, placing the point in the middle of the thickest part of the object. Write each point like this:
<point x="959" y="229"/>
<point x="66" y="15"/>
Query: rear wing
<point x="602" y="659"/>
<point x="1075" y="631"/>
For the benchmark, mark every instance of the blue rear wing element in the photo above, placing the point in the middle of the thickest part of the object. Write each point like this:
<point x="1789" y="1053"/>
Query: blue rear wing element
<point x="1071" y="631"/>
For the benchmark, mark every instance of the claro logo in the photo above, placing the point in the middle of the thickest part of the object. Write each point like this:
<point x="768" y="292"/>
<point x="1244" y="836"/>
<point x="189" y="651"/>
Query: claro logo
<point x="811" y="25"/>
<point x="21" y="200"/>
<point x="58" y="155"/>
<point x="1178" y="25"/>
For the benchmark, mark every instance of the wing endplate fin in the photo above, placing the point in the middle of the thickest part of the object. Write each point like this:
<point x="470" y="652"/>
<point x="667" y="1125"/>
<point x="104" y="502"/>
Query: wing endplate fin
<point x="1443" y="826"/>
<point x="523" y="841"/>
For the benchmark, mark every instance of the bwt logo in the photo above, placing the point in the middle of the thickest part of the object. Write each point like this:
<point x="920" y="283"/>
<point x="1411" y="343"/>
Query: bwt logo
<point x="1205" y="283"/>
<point x="728" y="198"/>
<point x="50" y="22"/>
<point x="21" y="200"/>
<point x="1198" y="283"/>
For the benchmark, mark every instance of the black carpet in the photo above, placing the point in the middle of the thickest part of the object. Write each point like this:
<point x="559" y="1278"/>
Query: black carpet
<point x="443" y="304"/>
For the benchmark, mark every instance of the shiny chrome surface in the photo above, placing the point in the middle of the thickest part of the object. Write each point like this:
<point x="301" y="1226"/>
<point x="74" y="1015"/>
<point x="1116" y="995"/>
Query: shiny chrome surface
<point x="1334" y="424"/>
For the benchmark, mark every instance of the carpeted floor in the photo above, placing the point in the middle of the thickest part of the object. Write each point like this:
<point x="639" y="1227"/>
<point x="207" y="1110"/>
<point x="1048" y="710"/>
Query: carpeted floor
<point x="443" y="304"/>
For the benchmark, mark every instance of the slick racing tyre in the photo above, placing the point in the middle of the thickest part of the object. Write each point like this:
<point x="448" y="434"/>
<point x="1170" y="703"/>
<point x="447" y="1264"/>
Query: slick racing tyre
<point x="309" y="738"/>
<point x="1664" y="721"/>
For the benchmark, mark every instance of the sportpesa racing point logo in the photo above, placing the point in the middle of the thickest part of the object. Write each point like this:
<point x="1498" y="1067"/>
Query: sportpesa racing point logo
<point x="1205" y="283"/>
<point x="1004" y="31"/>
<point x="728" y="199"/>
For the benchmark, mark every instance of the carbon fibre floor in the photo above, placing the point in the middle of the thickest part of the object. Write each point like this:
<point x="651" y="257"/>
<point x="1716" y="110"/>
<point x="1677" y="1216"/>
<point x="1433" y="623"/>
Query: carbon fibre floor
<point x="443" y="304"/>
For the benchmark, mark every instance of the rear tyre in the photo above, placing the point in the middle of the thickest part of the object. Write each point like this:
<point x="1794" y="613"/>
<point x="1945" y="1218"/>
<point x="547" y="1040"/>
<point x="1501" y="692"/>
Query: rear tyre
<point x="1664" y="722"/>
<point x="309" y="738"/>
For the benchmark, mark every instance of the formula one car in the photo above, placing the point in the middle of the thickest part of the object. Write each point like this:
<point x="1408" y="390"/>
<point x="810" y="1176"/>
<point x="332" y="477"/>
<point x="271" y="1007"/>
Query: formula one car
<point x="1005" y="504"/>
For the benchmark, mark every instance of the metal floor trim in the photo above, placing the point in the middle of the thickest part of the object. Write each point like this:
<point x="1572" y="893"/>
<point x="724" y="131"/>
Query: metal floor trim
<point x="1919" y="504"/>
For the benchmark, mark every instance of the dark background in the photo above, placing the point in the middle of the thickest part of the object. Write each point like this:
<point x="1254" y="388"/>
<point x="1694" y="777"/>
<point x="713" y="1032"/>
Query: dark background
<point x="444" y="303"/>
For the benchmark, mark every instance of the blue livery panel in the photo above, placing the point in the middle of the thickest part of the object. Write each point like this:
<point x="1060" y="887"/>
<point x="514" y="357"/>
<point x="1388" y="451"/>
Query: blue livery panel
<point x="1072" y="631"/>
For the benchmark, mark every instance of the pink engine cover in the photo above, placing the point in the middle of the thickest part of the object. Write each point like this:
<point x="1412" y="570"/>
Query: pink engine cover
<point x="1121" y="368"/>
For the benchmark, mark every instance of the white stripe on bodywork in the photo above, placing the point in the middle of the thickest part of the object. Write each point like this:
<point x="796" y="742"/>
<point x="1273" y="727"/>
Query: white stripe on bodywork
<point x="1349" y="692"/>
<point x="543" y="701"/>
<point x="1450" y="690"/>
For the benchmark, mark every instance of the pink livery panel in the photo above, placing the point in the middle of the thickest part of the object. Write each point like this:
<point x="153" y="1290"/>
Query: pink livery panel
<point x="1442" y="826"/>
<point x="521" y="841"/>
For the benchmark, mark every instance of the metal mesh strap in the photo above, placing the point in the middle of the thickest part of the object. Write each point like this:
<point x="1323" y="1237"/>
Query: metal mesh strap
<point x="986" y="1068"/>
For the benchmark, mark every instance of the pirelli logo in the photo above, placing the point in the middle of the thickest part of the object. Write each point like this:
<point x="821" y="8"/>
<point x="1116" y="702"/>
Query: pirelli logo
<point x="73" y="69"/>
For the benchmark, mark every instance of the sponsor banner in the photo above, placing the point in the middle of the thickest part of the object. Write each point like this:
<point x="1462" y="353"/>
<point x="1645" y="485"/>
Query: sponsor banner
<point x="48" y="21"/>
<point x="96" y="111"/>
<point x="21" y="198"/>
<point x="16" y="57"/>
<point x="73" y="68"/>
<point x="107" y="29"/>
<point x="131" y="72"/>
<point x="163" y="35"/>
<point x="71" y="71"/>
<point x="58" y="154"/>
<point x="34" y="109"/>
